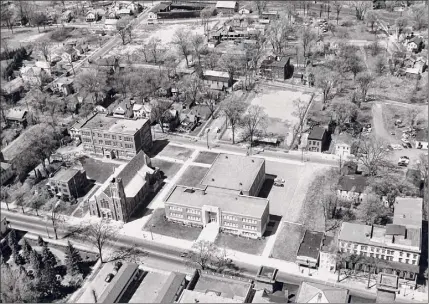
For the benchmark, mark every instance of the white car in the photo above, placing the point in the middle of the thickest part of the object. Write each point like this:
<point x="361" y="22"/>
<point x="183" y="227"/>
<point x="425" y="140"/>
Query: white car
<point x="279" y="180"/>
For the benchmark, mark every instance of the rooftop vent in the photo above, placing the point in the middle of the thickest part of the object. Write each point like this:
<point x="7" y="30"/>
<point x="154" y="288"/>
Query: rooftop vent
<point x="241" y="184"/>
<point x="253" y="160"/>
<point x="212" y="179"/>
<point x="226" y="156"/>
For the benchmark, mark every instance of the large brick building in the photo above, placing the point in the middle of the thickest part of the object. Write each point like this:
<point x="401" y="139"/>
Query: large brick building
<point x="115" y="137"/>
<point x="68" y="183"/>
<point x="125" y="189"/>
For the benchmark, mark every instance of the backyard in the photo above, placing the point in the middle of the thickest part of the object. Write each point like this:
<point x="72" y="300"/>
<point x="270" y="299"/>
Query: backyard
<point x="159" y="225"/>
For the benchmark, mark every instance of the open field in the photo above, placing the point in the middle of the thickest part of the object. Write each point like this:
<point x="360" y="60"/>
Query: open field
<point x="157" y="224"/>
<point x="193" y="176"/>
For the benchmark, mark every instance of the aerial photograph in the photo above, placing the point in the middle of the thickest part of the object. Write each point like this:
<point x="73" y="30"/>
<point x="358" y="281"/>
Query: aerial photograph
<point x="199" y="151"/>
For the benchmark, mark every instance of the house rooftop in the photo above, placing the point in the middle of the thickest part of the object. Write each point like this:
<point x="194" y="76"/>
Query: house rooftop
<point x="422" y="135"/>
<point x="111" y="124"/>
<point x="353" y="183"/>
<point x="13" y="86"/>
<point x="16" y="114"/>
<point x="329" y="244"/>
<point x="241" y="172"/>
<point x="65" y="174"/>
<point x="228" y="202"/>
<point x="226" y="4"/>
<point x="193" y="296"/>
<point x="310" y="245"/>
<point x="316" y="133"/>
<point x="408" y="212"/>
<point x="318" y="293"/>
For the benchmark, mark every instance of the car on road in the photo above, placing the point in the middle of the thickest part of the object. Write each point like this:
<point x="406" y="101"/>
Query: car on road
<point x="404" y="157"/>
<point x="109" y="277"/>
<point x="404" y="145"/>
<point x="279" y="180"/>
<point x="183" y="254"/>
<point x="403" y="162"/>
<point x="279" y="184"/>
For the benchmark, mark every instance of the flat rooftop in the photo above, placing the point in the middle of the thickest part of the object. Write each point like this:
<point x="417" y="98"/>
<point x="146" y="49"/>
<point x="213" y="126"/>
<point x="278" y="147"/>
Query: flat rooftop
<point x="149" y="288"/>
<point x="192" y="296"/>
<point x="229" y="203"/>
<point x="230" y="288"/>
<point x="408" y="212"/>
<point x="64" y="175"/>
<point x="114" y="124"/>
<point x="234" y="172"/>
<point x="311" y="244"/>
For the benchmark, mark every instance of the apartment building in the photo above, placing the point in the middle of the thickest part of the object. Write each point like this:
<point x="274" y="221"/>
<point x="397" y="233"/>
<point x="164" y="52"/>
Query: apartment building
<point x="115" y="137"/>
<point x="68" y="183"/>
<point x="396" y="247"/>
<point x="125" y="189"/>
<point x="237" y="174"/>
<point x="234" y="213"/>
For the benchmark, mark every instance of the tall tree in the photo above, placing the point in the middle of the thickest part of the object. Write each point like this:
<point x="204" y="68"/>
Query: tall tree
<point x="325" y="79"/>
<point x="300" y="111"/>
<point x="54" y="209"/>
<point x="260" y="6"/>
<point x="181" y="41"/>
<point x="153" y="45"/>
<point x="92" y="81"/>
<point x="12" y="241"/>
<point x="99" y="233"/>
<point x="231" y="63"/>
<point x="401" y="23"/>
<point x="338" y="5"/>
<point x="26" y="251"/>
<point x="233" y="111"/>
<point x="193" y="86"/>
<point x="73" y="260"/>
<point x="307" y="38"/>
<point x="364" y="81"/>
<point x="198" y="46"/>
<point x="361" y="7"/>
<point x="40" y="19"/>
<point x="343" y="111"/>
<point x="40" y="241"/>
<point x="371" y="210"/>
<point x="373" y="155"/>
<point x="36" y="263"/>
<point x="203" y="255"/>
<point x="158" y="110"/>
<point x="48" y="258"/>
<point x="124" y="28"/>
<point x="254" y="122"/>
<point x="371" y="19"/>
<point x="419" y="16"/>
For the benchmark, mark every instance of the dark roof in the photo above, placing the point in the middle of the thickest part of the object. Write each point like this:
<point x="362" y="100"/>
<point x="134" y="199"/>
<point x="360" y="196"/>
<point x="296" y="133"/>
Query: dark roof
<point x="385" y="297"/>
<point x="133" y="167"/>
<point x="270" y="63"/>
<point x="422" y="135"/>
<point x="392" y="229"/>
<point x="169" y="290"/>
<point x="354" y="183"/>
<point x="118" y="283"/>
<point x="310" y="245"/>
<point x="417" y="40"/>
<point x="317" y="133"/>
<point x="216" y="78"/>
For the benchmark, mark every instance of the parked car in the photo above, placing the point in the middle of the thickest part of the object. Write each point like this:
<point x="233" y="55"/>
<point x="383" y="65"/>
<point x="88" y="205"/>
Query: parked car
<point x="403" y="162"/>
<point x="279" y="180"/>
<point x="279" y="184"/>
<point x="109" y="277"/>
<point x="404" y="157"/>
<point x="183" y="254"/>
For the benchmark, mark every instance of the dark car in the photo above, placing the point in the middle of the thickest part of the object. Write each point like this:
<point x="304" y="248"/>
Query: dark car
<point x="277" y="184"/>
<point x="109" y="277"/>
<point x="183" y="254"/>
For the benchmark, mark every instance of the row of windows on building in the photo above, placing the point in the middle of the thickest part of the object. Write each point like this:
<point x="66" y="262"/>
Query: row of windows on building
<point x="376" y="249"/>
<point x="379" y="256"/>
<point x="109" y="143"/>
<point x="234" y="225"/>
<point x="86" y="133"/>
<point x="225" y="217"/>
<point x="314" y="142"/>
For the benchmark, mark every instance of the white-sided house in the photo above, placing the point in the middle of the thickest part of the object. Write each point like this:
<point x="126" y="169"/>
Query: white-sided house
<point x="142" y="110"/>
<point x="91" y="16"/>
<point x="244" y="11"/>
<point x="351" y="188"/>
<point x="422" y="139"/>
<point x="343" y="146"/>
<point x="45" y="66"/>
<point x="110" y="24"/>
<point x="32" y="75"/>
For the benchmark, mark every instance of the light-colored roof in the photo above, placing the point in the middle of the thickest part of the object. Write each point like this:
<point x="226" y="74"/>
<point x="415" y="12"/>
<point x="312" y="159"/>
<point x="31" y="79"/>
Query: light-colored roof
<point x="226" y="4"/>
<point x="412" y="71"/>
<point x="43" y="64"/>
<point x="216" y="73"/>
<point x="318" y="293"/>
<point x="137" y="182"/>
<point x="408" y="212"/>
<point x="234" y="172"/>
<point x="16" y="114"/>
<point x="192" y="296"/>
<point x="114" y="124"/>
<point x="124" y="11"/>
<point x="110" y="21"/>
<point x="64" y="175"/>
<point x="227" y="202"/>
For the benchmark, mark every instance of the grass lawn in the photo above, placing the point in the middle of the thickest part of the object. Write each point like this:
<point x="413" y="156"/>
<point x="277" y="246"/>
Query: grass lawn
<point x="168" y="168"/>
<point x="192" y="176"/>
<point x="288" y="241"/>
<point x="176" y="152"/>
<point x="205" y="157"/>
<point x="97" y="170"/>
<point x="242" y="244"/>
<point x="157" y="224"/>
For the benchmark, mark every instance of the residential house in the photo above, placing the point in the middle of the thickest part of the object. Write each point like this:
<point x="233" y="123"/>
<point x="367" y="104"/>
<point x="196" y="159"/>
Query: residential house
<point x="343" y="145"/>
<point x="412" y="73"/>
<point x="271" y="15"/>
<point x="317" y="139"/>
<point x="45" y="66"/>
<point x="126" y="189"/>
<point x="17" y="117"/>
<point x="6" y="173"/>
<point x="115" y="137"/>
<point x="66" y="16"/>
<point x="189" y="121"/>
<point x="111" y="15"/>
<point x="68" y="183"/>
<point x="420" y="64"/>
<point x="75" y="129"/>
<point x="124" y="12"/>
<point x="91" y="16"/>
<point x="227" y="7"/>
<point x="328" y="255"/>
<point x="309" y="249"/>
<point x="244" y="11"/>
<point x="414" y="44"/>
<point x="124" y="109"/>
<point x="13" y="88"/>
<point x="217" y="80"/>
<point x="351" y="188"/>
<point x="170" y="119"/>
<point x="162" y="7"/>
<point x="64" y="85"/>
<point x="396" y="247"/>
<point x="33" y="76"/>
<point x="110" y="24"/>
<point x="70" y="55"/>
<point x="276" y="68"/>
<point x="421" y="139"/>
<point x="320" y="293"/>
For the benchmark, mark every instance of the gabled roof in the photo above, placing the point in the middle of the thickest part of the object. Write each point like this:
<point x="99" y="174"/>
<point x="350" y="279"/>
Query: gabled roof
<point x="16" y="114"/>
<point x="316" y="133"/>
<point x="13" y="86"/>
<point x="311" y="292"/>
<point x="354" y="183"/>
<point x="226" y="4"/>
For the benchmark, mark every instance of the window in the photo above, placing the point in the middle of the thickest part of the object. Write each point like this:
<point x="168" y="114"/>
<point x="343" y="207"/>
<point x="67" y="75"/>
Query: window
<point x="413" y="262"/>
<point x="355" y="246"/>
<point x="407" y="261"/>
<point x="128" y="146"/>
<point x="193" y="211"/>
<point x="176" y="215"/>
<point x="377" y="256"/>
<point x="120" y="137"/>
<point x="86" y="133"/>
<point x="106" y="135"/>
<point x="100" y="142"/>
<point x="383" y="251"/>
<point x="194" y="218"/>
<point x="249" y="227"/>
<point x="400" y="260"/>
<point x="104" y="204"/>
<point x="228" y="224"/>
<point x="128" y="139"/>
<point x="390" y="258"/>
<point x="348" y="250"/>
<point x="414" y="256"/>
<point x="408" y="255"/>
<point x="377" y="250"/>
<point x="115" y="143"/>
<point x="113" y="136"/>
<point x="401" y="254"/>
<point x="343" y="244"/>
<point x="84" y="139"/>
<point x="230" y="217"/>
<point x="371" y="255"/>
<point x="250" y="221"/>
<point x="364" y="247"/>
<point x="108" y="142"/>
<point x="349" y="245"/>
<point x="355" y="251"/>
<point x="175" y="208"/>
<point x="372" y="249"/>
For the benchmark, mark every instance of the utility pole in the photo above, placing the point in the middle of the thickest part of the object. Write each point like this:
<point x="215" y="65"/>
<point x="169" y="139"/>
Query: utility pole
<point x="207" y="133"/>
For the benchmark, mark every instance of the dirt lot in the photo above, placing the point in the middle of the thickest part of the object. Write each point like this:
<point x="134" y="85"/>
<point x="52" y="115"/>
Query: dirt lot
<point x="157" y="224"/>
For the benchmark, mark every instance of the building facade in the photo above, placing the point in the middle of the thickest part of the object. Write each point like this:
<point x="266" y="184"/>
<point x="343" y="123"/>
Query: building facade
<point x="114" y="137"/>
<point x="351" y="188"/>
<point x="125" y="189"/>
<point x="233" y="213"/>
<point x="316" y="139"/>
<point x="68" y="183"/>
<point x="276" y="69"/>
<point x="227" y="7"/>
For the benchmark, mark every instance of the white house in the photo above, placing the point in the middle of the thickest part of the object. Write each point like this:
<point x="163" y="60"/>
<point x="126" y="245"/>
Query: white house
<point x="351" y="188"/>
<point x="244" y="11"/>
<point x="91" y="16"/>
<point x="343" y="146"/>
<point x="414" y="44"/>
<point x="422" y="139"/>
<point x="32" y="75"/>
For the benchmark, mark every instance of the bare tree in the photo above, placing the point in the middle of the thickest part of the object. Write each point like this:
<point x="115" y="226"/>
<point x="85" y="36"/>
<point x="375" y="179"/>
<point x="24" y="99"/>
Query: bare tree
<point x="278" y="34"/>
<point x="371" y="209"/>
<point x="7" y="15"/>
<point x="343" y="111"/>
<point x="203" y="255"/>
<point x="325" y="79"/>
<point x="300" y="111"/>
<point x="233" y="111"/>
<point x="211" y="99"/>
<point x="181" y="40"/>
<point x="232" y="64"/>
<point x="212" y="60"/>
<point x="364" y="81"/>
<point x="372" y="154"/>
<point x="260" y="6"/>
<point x="54" y="209"/>
<point x="371" y="19"/>
<point x="45" y="49"/>
<point x="123" y="26"/>
<point x="205" y="15"/>
<point x="360" y="8"/>
<point x="193" y="86"/>
<point x="158" y="109"/>
<point x="92" y="81"/>
<point x="254" y="121"/>
<point x="122" y="82"/>
<point x="401" y="23"/>
<point x="307" y="38"/>
<point x="419" y="16"/>
<point x="153" y="44"/>
<point x="198" y="47"/>
<point x="100" y="233"/>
